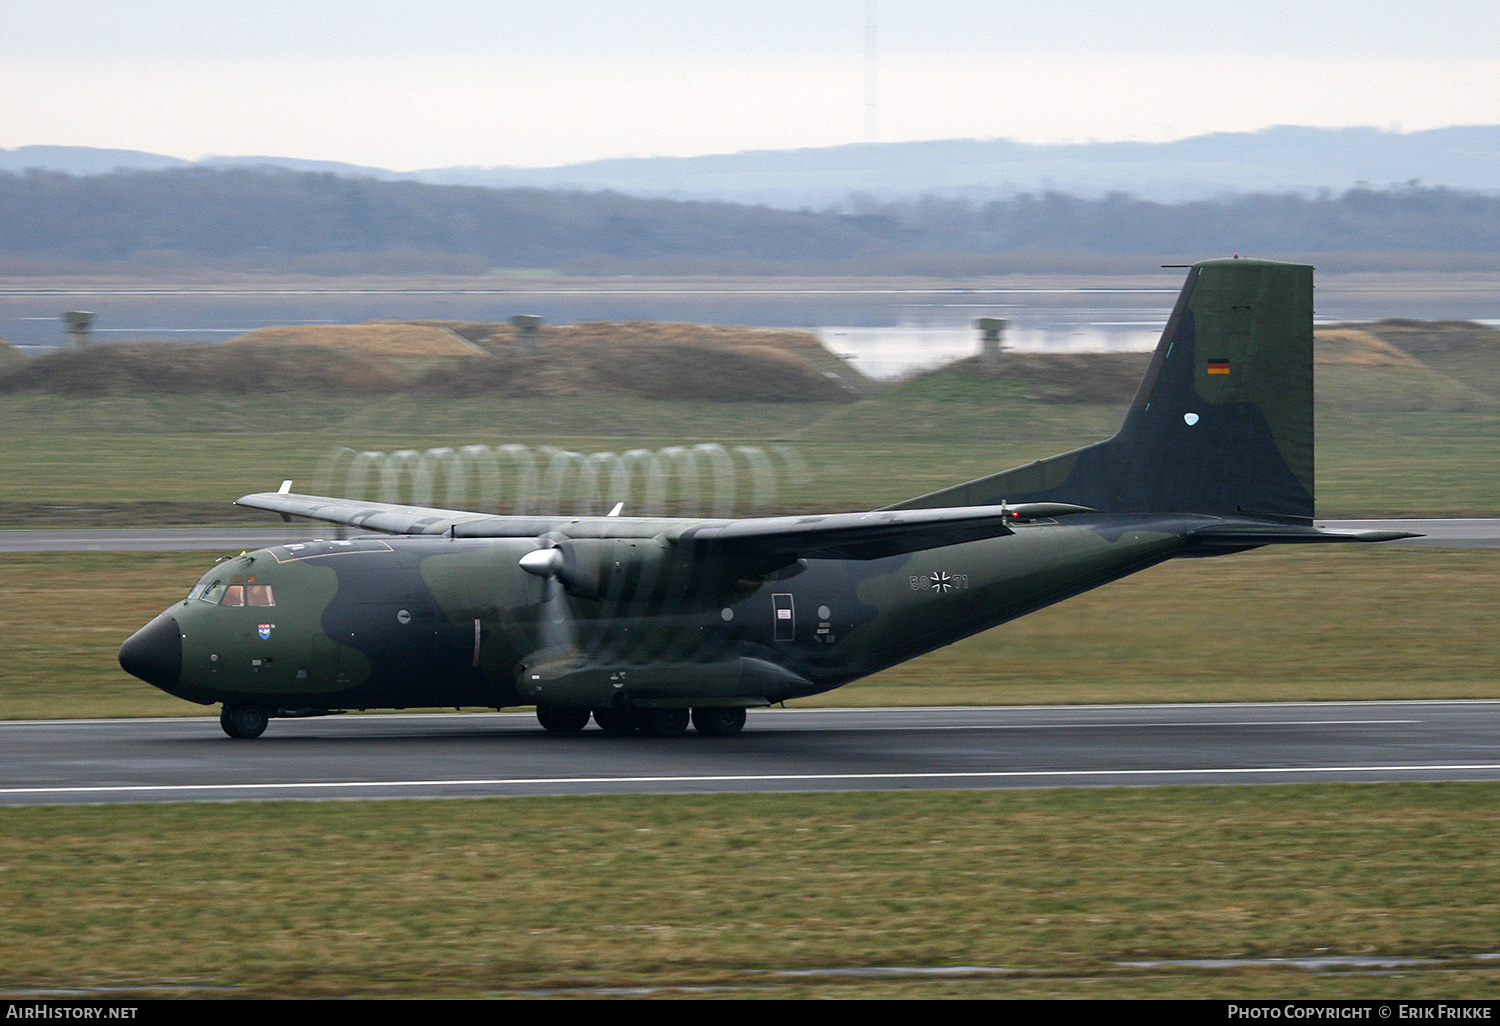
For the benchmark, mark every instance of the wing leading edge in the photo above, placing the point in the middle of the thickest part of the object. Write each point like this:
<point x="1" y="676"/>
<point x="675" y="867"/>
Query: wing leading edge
<point x="829" y="536"/>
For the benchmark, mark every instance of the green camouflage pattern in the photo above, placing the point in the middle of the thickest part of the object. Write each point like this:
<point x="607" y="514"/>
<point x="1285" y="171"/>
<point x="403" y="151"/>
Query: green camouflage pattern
<point x="634" y="621"/>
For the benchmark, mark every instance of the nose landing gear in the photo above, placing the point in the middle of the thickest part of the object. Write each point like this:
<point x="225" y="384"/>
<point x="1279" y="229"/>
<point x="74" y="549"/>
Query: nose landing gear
<point x="244" y="721"/>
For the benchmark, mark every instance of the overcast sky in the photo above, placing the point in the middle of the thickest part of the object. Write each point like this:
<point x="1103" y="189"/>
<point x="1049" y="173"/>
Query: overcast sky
<point x="409" y="85"/>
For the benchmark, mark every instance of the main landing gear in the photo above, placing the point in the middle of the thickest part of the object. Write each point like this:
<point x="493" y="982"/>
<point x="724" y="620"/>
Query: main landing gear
<point x="562" y="719"/>
<point x="719" y="722"/>
<point x="711" y="720"/>
<point x="244" y="721"/>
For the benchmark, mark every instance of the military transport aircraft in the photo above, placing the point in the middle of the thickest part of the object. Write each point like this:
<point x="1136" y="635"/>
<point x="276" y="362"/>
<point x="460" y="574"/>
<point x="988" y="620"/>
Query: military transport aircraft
<point x="649" y="624"/>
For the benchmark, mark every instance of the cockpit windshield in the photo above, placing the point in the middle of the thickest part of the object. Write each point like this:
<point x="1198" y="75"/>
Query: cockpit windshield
<point x="236" y="591"/>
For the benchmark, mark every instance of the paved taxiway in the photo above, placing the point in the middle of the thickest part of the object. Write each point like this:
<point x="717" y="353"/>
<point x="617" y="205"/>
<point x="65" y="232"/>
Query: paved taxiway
<point x="156" y="539"/>
<point x="488" y="754"/>
<point x="1447" y="533"/>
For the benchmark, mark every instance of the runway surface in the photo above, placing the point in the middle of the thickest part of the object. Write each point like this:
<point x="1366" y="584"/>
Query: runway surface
<point x="1448" y="533"/>
<point x="156" y="539"/>
<point x="1456" y="533"/>
<point x="781" y="750"/>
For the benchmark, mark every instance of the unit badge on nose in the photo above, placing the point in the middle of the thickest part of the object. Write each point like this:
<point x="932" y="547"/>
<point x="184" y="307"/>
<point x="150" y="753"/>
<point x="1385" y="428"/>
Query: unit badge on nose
<point x="264" y="630"/>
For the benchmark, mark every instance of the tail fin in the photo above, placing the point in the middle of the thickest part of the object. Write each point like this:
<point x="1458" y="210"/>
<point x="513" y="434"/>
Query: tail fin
<point x="1222" y="423"/>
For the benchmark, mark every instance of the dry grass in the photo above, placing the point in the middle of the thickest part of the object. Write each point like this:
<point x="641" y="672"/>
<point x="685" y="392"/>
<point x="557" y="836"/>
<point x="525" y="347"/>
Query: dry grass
<point x="501" y="337"/>
<point x="1357" y="347"/>
<point x="1361" y="369"/>
<point x="1062" y="377"/>
<point x="1461" y="349"/>
<point x="167" y="369"/>
<point x="646" y="359"/>
<point x="375" y="338"/>
<point x="668" y="370"/>
<point x="635" y="359"/>
<point x="626" y="333"/>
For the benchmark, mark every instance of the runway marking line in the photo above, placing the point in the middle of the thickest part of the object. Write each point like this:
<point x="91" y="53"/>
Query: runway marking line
<point x="915" y="726"/>
<point x="750" y="778"/>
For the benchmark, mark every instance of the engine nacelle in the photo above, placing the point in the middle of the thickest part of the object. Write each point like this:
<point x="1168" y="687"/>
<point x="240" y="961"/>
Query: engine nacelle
<point x="618" y="569"/>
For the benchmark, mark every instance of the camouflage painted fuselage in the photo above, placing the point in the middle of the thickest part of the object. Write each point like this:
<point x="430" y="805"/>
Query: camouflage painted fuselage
<point x="406" y="622"/>
<point x="597" y="613"/>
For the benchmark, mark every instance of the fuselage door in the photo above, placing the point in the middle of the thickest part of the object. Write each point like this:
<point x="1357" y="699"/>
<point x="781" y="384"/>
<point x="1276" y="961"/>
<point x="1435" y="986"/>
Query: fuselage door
<point x="784" y="616"/>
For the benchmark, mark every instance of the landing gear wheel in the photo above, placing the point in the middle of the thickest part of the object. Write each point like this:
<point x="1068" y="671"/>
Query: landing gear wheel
<point x="562" y="719"/>
<point x="617" y="721"/>
<point x="718" y="722"/>
<point x="664" y="722"/>
<point x="244" y="721"/>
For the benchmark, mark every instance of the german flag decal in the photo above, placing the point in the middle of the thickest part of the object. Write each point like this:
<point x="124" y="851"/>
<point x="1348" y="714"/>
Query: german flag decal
<point x="1218" y="366"/>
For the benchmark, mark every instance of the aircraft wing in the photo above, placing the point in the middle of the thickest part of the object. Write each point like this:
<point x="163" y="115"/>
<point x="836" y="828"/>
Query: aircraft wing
<point x="829" y="536"/>
<point x="860" y="535"/>
<point x="389" y="518"/>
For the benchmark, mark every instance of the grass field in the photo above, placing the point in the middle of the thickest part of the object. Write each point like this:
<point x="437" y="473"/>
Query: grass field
<point x="762" y="896"/>
<point x="861" y="455"/>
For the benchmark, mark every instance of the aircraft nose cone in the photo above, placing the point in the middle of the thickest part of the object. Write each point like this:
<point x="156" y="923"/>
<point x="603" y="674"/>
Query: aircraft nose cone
<point x="154" y="653"/>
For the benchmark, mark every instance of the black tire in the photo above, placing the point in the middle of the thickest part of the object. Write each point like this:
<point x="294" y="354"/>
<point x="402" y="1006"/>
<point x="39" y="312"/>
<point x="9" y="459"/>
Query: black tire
<point x="617" y="721"/>
<point x="718" y="721"/>
<point x="562" y="719"/>
<point x="664" y="722"/>
<point x="244" y="721"/>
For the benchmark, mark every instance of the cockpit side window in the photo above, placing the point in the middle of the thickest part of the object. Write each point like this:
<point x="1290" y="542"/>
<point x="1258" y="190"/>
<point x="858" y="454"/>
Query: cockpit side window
<point x="234" y="595"/>
<point x="260" y="595"/>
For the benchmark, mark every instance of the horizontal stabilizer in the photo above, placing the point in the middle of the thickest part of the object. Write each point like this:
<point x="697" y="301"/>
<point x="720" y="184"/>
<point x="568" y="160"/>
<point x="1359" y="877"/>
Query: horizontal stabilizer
<point x="1241" y="535"/>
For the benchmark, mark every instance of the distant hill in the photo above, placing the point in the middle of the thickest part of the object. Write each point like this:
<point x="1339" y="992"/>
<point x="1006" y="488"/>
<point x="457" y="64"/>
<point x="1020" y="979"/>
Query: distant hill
<point x="1280" y="159"/>
<point x="83" y="160"/>
<point x="321" y="223"/>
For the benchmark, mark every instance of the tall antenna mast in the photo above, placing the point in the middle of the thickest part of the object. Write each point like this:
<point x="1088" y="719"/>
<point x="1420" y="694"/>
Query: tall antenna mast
<point x="869" y="71"/>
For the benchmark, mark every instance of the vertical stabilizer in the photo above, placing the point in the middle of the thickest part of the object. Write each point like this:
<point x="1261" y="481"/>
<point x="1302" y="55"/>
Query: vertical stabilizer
<point x="1222" y="423"/>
